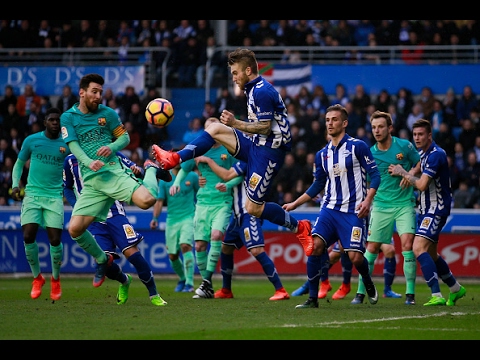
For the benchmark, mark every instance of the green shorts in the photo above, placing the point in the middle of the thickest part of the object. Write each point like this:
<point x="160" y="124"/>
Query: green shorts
<point x="384" y="220"/>
<point x="208" y="218"/>
<point x="44" y="211"/>
<point x="179" y="233"/>
<point x="99" y="192"/>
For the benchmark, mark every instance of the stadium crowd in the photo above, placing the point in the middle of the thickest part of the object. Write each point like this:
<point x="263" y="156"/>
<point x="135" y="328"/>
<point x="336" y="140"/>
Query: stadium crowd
<point x="455" y="117"/>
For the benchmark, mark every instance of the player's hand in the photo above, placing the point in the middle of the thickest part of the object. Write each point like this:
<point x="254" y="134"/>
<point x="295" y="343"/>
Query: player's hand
<point x="17" y="194"/>
<point x="104" y="151"/>
<point x="289" y="206"/>
<point x="136" y="170"/>
<point x="174" y="190"/>
<point x="396" y="170"/>
<point x="96" y="165"/>
<point x="153" y="224"/>
<point x="202" y="181"/>
<point x="201" y="159"/>
<point x="221" y="187"/>
<point x="363" y="209"/>
<point x="227" y="118"/>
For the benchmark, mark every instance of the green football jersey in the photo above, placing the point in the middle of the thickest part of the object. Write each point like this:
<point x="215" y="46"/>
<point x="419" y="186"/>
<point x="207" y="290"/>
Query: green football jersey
<point x="45" y="176"/>
<point x="92" y="131"/>
<point x="390" y="194"/>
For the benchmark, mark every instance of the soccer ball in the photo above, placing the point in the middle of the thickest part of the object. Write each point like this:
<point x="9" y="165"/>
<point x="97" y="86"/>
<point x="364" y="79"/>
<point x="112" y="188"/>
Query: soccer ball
<point x="159" y="112"/>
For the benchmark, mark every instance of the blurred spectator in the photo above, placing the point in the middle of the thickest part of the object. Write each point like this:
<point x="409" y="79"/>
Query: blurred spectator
<point x="104" y="33"/>
<point x="44" y="31"/>
<point x="203" y="31"/>
<point x="287" y="177"/>
<point x="449" y="103"/>
<point x="343" y="32"/>
<point x="189" y="53"/>
<point x="476" y="147"/>
<point x="404" y="103"/>
<point x="320" y="101"/>
<point x="106" y="97"/>
<point x="161" y="31"/>
<point x="15" y="139"/>
<point x="224" y="101"/>
<point x="314" y="137"/>
<point x="471" y="173"/>
<point x="415" y="54"/>
<point x="25" y="99"/>
<point x="466" y="103"/>
<point x="427" y="99"/>
<point x="9" y="97"/>
<point x="195" y="128"/>
<point x="238" y="33"/>
<point x="6" y="150"/>
<point x="284" y="34"/>
<point x="445" y="139"/>
<point x="436" y="118"/>
<point x="303" y="100"/>
<point x="35" y="119"/>
<point x="415" y="114"/>
<point x="126" y="100"/>
<point x="145" y="32"/>
<point x="287" y="99"/>
<point x="13" y="120"/>
<point x="124" y="30"/>
<point x="360" y="102"/>
<point x="382" y="101"/>
<point x="341" y="96"/>
<point x="123" y="49"/>
<point x="355" y="120"/>
<point x="361" y="32"/>
<point x="67" y="99"/>
<point x="385" y="33"/>
<point x="467" y="135"/>
<point x="45" y="103"/>
<point x="462" y="197"/>
<point x="262" y="32"/>
<point x="216" y="59"/>
<point x="293" y="115"/>
<point x="87" y="31"/>
<point x="208" y="111"/>
<point x="459" y="157"/>
<point x="6" y="169"/>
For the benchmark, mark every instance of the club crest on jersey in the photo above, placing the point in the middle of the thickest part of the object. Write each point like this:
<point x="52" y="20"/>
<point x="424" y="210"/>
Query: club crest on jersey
<point x="399" y="156"/>
<point x="426" y="223"/>
<point x="63" y="149"/>
<point x="254" y="181"/>
<point x="102" y="121"/>
<point x="223" y="157"/>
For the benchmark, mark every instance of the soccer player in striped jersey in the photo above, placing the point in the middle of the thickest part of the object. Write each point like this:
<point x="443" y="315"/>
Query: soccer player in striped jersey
<point x="115" y="232"/>
<point x="243" y="230"/>
<point x="261" y="141"/>
<point x="435" y="205"/>
<point x="341" y="169"/>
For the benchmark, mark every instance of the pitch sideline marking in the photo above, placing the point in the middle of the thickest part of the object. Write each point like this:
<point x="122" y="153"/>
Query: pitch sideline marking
<point x="337" y="323"/>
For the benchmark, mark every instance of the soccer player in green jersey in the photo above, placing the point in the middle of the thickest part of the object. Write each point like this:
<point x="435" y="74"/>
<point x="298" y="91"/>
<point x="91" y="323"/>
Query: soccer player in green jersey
<point x="43" y="201"/>
<point x="393" y="204"/>
<point x="179" y="225"/>
<point x="212" y="213"/>
<point x="95" y="133"/>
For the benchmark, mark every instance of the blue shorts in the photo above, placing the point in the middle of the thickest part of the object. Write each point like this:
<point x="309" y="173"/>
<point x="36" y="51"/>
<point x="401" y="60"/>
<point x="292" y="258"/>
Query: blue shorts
<point x="263" y="163"/>
<point x="333" y="225"/>
<point x="430" y="226"/>
<point x="246" y="231"/>
<point x="116" y="232"/>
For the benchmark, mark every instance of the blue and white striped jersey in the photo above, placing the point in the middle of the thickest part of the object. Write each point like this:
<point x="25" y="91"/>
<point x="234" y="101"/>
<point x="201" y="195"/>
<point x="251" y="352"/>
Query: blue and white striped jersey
<point x="437" y="198"/>
<point x="265" y="103"/>
<point x="342" y="170"/>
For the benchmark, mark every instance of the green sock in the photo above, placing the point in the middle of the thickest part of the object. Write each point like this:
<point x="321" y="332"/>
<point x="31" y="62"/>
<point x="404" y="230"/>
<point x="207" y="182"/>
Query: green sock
<point x="88" y="243"/>
<point x="214" y="255"/>
<point x="409" y="270"/>
<point x="371" y="263"/>
<point x="56" y="257"/>
<point x="188" y="267"/>
<point x="150" y="181"/>
<point x="202" y="262"/>
<point x="177" y="266"/>
<point x="31" y="253"/>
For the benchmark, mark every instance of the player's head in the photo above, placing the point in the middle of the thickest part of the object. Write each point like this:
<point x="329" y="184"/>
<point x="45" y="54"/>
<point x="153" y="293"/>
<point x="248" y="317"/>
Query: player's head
<point x="336" y="120"/>
<point x="52" y="121"/>
<point x="91" y="90"/>
<point x="243" y="66"/>
<point x="422" y="134"/>
<point x="382" y="125"/>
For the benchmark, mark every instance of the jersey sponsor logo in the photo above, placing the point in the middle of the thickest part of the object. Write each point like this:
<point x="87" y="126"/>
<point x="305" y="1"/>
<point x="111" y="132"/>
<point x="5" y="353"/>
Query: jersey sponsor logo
<point x="368" y="160"/>
<point x="102" y="121"/>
